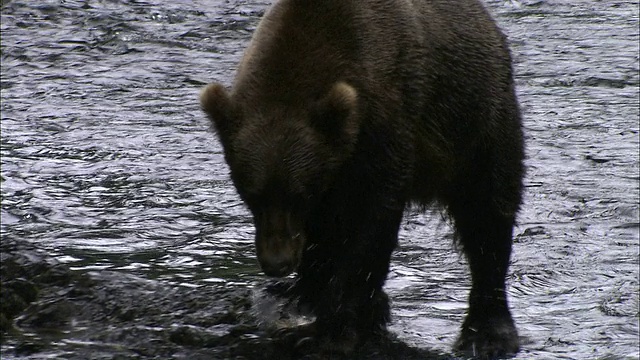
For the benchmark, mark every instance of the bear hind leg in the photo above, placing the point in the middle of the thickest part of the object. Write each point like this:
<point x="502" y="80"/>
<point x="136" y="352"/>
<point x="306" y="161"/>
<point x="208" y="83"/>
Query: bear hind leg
<point x="485" y="234"/>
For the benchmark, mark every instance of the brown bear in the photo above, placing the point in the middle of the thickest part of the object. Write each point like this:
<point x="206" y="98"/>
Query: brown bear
<point x="344" y="113"/>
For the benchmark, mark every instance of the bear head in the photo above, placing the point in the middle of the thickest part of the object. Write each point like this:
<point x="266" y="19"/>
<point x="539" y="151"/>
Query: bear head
<point x="284" y="156"/>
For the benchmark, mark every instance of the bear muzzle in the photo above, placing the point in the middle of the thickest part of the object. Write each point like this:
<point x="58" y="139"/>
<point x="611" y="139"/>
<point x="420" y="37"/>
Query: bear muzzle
<point x="279" y="256"/>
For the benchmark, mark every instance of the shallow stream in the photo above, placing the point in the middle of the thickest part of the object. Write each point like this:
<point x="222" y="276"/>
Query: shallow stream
<point x="108" y="166"/>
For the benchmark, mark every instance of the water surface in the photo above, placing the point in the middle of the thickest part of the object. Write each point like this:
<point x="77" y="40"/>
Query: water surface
<point x="109" y="164"/>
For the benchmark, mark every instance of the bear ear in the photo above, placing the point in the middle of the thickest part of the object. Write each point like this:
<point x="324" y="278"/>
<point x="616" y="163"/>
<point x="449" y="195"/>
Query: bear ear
<point x="216" y="102"/>
<point x="335" y="115"/>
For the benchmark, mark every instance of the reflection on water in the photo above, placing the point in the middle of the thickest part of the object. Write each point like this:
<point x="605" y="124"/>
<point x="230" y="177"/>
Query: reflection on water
<point x="107" y="163"/>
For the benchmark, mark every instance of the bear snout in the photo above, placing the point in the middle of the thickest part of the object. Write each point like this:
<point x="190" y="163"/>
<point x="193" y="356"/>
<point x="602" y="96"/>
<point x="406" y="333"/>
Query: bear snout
<point x="279" y="256"/>
<point x="278" y="263"/>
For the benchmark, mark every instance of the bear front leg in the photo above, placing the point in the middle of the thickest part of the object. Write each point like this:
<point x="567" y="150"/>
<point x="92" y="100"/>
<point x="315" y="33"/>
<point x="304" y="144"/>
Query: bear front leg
<point x="354" y="305"/>
<point x="341" y="279"/>
<point x="488" y="330"/>
<point x="348" y="314"/>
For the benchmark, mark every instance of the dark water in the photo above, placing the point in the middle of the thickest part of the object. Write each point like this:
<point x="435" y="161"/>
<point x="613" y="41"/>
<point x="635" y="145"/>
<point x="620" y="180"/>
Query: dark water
<point x="108" y="164"/>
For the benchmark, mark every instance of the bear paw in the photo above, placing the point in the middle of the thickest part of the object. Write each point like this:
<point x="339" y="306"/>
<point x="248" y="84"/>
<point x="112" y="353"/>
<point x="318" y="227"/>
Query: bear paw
<point x="488" y="340"/>
<point x="306" y="339"/>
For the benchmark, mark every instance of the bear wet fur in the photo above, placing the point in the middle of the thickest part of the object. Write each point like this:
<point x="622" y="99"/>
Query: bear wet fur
<point x="345" y="112"/>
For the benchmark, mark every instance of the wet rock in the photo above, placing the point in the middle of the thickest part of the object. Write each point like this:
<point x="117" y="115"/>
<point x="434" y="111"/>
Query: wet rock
<point x="52" y="315"/>
<point x="114" y="315"/>
<point x="28" y="348"/>
<point x="21" y="265"/>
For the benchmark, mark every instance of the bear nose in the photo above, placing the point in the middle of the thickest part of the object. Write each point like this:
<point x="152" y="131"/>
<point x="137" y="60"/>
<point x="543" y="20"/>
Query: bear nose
<point x="277" y="265"/>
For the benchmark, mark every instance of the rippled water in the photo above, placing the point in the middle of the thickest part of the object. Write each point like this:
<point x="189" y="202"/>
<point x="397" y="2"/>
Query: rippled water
<point x="108" y="163"/>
